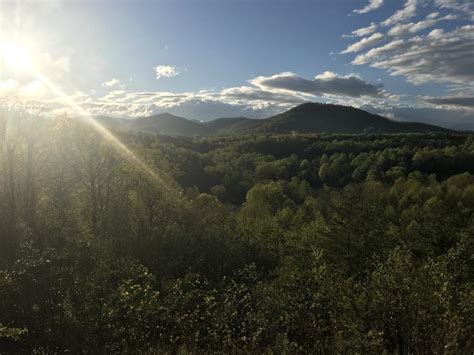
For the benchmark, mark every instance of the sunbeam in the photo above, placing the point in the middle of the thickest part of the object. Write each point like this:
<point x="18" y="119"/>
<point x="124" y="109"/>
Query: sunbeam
<point x="17" y="57"/>
<point x="236" y="176"/>
<point x="122" y="148"/>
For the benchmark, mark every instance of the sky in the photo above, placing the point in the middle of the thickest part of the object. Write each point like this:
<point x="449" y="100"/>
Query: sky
<point x="409" y="60"/>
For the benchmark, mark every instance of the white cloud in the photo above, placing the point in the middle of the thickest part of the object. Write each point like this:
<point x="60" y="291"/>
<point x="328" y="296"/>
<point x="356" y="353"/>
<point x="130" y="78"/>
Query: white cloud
<point x="364" y="31"/>
<point x="407" y="12"/>
<point x="255" y="94"/>
<point x="263" y="96"/>
<point x="327" y="83"/>
<point x="436" y="34"/>
<point x="113" y="83"/>
<point x="444" y="57"/>
<point x="463" y="7"/>
<point x="413" y="27"/>
<point x="258" y="102"/>
<point x="328" y="75"/>
<point x="364" y="43"/>
<point x="166" y="71"/>
<point x="372" y="5"/>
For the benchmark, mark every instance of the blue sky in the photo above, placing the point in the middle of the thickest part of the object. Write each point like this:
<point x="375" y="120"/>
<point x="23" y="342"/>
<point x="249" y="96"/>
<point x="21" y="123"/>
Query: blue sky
<point x="203" y="59"/>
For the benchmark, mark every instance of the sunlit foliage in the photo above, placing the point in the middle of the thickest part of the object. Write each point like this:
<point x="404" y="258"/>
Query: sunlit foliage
<point x="283" y="243"/>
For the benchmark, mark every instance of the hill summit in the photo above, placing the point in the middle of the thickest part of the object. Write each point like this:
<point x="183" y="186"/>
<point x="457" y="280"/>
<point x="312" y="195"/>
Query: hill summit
<point x="315" y="118"/>
<point x="304" y="118"/>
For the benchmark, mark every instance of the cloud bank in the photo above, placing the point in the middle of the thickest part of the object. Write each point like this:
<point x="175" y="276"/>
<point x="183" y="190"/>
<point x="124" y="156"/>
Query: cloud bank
<point x="443" y="57"/>
<point x="326" y="83"/>
<point x="465" y="102"/>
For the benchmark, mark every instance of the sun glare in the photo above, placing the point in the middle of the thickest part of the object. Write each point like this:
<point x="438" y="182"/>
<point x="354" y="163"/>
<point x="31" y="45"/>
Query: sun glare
<point x="16" y="56"/>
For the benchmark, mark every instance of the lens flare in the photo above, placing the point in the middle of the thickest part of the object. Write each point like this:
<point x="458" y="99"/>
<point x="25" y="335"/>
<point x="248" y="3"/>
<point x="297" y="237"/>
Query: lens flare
<point x="16" y="56"/>
<point x="122" y="148"/>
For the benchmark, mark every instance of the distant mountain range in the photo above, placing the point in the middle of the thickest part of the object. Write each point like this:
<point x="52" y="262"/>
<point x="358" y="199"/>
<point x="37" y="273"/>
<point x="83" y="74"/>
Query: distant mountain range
<point x="305" y="118"/>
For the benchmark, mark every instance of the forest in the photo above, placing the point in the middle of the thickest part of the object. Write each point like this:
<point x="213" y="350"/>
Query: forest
<point x="262" y="243"/>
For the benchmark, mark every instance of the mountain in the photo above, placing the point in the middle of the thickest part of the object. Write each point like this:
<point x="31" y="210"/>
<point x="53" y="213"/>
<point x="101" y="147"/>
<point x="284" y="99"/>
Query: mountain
<point x="228" y="125"/>
<point x="314" y="117"/>
<point x="305" y="118"/>
<point x="168" y="124"/>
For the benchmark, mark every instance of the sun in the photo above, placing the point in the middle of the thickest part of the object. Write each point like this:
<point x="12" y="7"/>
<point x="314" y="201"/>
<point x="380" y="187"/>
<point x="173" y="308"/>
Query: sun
<point x="16" y="56"/>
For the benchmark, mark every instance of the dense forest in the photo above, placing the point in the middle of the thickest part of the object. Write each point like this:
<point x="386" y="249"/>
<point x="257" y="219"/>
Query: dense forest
<point x="273" y="243"/>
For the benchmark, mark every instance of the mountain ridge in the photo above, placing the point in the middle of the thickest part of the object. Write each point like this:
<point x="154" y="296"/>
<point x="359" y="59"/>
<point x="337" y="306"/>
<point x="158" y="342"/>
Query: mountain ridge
<point x="304" y="118"/>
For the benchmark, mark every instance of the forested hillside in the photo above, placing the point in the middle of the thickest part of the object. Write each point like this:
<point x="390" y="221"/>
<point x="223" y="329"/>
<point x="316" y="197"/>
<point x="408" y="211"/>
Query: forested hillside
<point x="284" y="243"/>
<point x="316" y="118"/>
<point x="305" y="118"/>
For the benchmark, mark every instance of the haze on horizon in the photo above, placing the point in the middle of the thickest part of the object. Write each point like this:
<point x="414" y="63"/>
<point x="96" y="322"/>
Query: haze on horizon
<point x="410" y="60"/>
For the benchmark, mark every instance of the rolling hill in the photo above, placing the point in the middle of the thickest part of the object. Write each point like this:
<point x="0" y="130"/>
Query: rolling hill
<point x="315" y="118"/>
<point x="168" y="124"/>
<point x="305" y="118"/>
<point x="233" y="125"/>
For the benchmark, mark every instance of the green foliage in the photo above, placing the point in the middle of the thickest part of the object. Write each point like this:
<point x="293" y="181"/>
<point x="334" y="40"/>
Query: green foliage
<point x="267" y="243"/>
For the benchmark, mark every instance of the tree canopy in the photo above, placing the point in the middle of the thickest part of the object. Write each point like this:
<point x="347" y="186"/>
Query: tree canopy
<point x="320" y="243"/>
